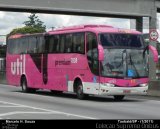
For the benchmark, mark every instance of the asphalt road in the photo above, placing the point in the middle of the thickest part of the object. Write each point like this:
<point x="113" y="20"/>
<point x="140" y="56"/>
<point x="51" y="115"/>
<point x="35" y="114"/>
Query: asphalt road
<point x="45" y="105"/>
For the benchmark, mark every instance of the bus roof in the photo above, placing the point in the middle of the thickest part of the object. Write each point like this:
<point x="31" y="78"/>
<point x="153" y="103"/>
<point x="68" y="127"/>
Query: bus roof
<point x="15" y="36"/>
<point x="81" y="28"/>
<point x="93" y="28"/>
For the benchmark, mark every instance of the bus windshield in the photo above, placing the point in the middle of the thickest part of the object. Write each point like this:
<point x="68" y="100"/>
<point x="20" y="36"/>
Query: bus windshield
<point x="121" y="40"/>
<point x="124" y="56"/>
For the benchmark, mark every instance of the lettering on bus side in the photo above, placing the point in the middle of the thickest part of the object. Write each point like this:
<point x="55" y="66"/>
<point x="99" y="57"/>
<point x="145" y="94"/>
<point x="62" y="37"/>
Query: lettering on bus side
<point x="66" y="62"/>
<point x="18" y="67"/>
<point x="62" y="62"/>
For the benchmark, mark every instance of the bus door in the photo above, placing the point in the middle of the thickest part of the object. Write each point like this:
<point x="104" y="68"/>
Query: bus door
<point x="53" y="70"/>
<point x="92" y="56"/>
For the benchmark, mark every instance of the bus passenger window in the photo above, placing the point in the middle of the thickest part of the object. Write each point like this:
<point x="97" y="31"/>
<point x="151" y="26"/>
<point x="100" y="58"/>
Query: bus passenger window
<point x="16" y="48"/>
<point x="62" y="43"/>
<point x="53" y="44"/>
<point x="56" y="44"/>
<point x="40" y="45"/>
<point x="78" y="43"/>
<point x="68" y="43"/>
<point x="32" y="45"/>
<point x="50" y="42"/>
<point x="25" y="45"/>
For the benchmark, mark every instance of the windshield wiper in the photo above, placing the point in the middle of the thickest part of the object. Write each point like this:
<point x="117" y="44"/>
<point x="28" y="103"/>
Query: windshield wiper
<point x="125" y="65"/>
<point x="145" y="49"/>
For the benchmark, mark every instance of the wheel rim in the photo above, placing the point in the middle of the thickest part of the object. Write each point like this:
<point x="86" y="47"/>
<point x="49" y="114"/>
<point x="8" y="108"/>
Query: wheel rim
<point x="80" y="91"/>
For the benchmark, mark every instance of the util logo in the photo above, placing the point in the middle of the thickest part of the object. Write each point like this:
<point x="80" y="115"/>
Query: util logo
<point x="18" y="67"/>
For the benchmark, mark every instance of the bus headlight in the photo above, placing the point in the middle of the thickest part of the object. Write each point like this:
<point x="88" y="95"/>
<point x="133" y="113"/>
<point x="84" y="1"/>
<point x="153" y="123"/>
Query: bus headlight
<point x="144" y="85"/>
<point x="108" y="84"/>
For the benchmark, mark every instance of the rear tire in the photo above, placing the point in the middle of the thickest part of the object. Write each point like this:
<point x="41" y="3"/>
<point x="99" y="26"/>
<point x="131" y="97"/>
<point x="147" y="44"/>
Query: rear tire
<point x="119" y="97"/>
<point x="79" y="91"/>
<point x="25" y="87"/>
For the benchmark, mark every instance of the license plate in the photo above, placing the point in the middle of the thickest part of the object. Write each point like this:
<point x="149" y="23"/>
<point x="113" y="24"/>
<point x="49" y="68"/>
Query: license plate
<point x="126" y="91"/>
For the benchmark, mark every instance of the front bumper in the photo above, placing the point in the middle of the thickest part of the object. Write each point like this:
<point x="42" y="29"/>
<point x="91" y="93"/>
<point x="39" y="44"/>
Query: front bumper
<point x="104" y="90"/>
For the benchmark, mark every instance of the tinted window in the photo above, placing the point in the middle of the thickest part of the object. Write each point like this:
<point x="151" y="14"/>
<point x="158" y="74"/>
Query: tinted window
<point x="14" y="46"/>
<point x="23" y="45"/>
<point x="56" y="43"/>
<point x="26" y="44"/>
<point x="32" y="45"/>
<point x="121" y="40"/>
<point x="69" y="44"/>
<point x="78" y="43"/>
<point x="62" y="43"/>
<point x="66" y="43"/>
<point x="53" y="42"/>
<point x="10" y="46"/>
<point x="40" y="44"/>
<point x="50" y="42"/>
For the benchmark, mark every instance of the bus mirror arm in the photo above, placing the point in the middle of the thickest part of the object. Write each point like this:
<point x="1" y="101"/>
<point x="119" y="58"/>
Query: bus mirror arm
<point x="154" y="53"/>
<point x="100" y="52"/>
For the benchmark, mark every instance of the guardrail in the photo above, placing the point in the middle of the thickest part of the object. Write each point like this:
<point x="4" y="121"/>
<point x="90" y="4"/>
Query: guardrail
<point x="2" y="65"/>
<point x="154" y="88"/>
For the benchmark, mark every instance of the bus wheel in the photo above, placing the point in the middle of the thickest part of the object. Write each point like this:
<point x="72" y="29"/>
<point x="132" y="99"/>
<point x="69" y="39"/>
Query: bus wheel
<point x="80" y="94"/>
<point x="119" y="97"/>
<point x="25" y="87"/>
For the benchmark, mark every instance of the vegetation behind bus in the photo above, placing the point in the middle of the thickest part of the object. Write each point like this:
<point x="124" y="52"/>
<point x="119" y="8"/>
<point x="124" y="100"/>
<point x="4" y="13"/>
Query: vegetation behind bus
<point x="33" y="25"/>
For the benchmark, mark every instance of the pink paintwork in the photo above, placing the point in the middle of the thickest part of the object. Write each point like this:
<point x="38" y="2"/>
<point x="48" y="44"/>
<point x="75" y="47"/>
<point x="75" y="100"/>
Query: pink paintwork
<point x="100" y="52"/>
<point x="125" y="82"/>
<point x="154" y="52"/>
<point x="63" y="69"/>
<point x="93" y="28"/>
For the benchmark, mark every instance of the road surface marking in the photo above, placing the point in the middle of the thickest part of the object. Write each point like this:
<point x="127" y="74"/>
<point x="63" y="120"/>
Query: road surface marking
<point x="21" y="112"/>
<point x="10" y="106"/>
<point x="46" y="110"/>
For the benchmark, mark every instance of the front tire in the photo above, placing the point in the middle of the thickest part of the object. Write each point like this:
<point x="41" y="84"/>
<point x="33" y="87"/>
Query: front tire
<point x="119" y="97"/>
<point x="79" y="91"/>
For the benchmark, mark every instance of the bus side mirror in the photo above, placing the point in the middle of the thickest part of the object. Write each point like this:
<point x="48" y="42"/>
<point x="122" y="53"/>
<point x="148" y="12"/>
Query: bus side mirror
<point x="154" y="53"/>
<point x="100" y="53"/>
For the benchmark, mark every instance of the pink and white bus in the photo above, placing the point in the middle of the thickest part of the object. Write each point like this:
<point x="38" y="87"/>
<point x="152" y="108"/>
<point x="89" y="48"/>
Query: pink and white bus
<point x="87" y="60"/>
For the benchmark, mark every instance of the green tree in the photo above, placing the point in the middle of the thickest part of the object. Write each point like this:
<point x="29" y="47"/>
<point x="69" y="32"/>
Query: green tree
<point x="33" y="25"/>
<point x="26" y="30"/>
<point x="35" y="22"/>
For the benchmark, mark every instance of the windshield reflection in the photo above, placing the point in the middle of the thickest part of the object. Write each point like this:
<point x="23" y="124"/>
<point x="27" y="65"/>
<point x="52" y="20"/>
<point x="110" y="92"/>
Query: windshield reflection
<point x="122" y="63"/>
